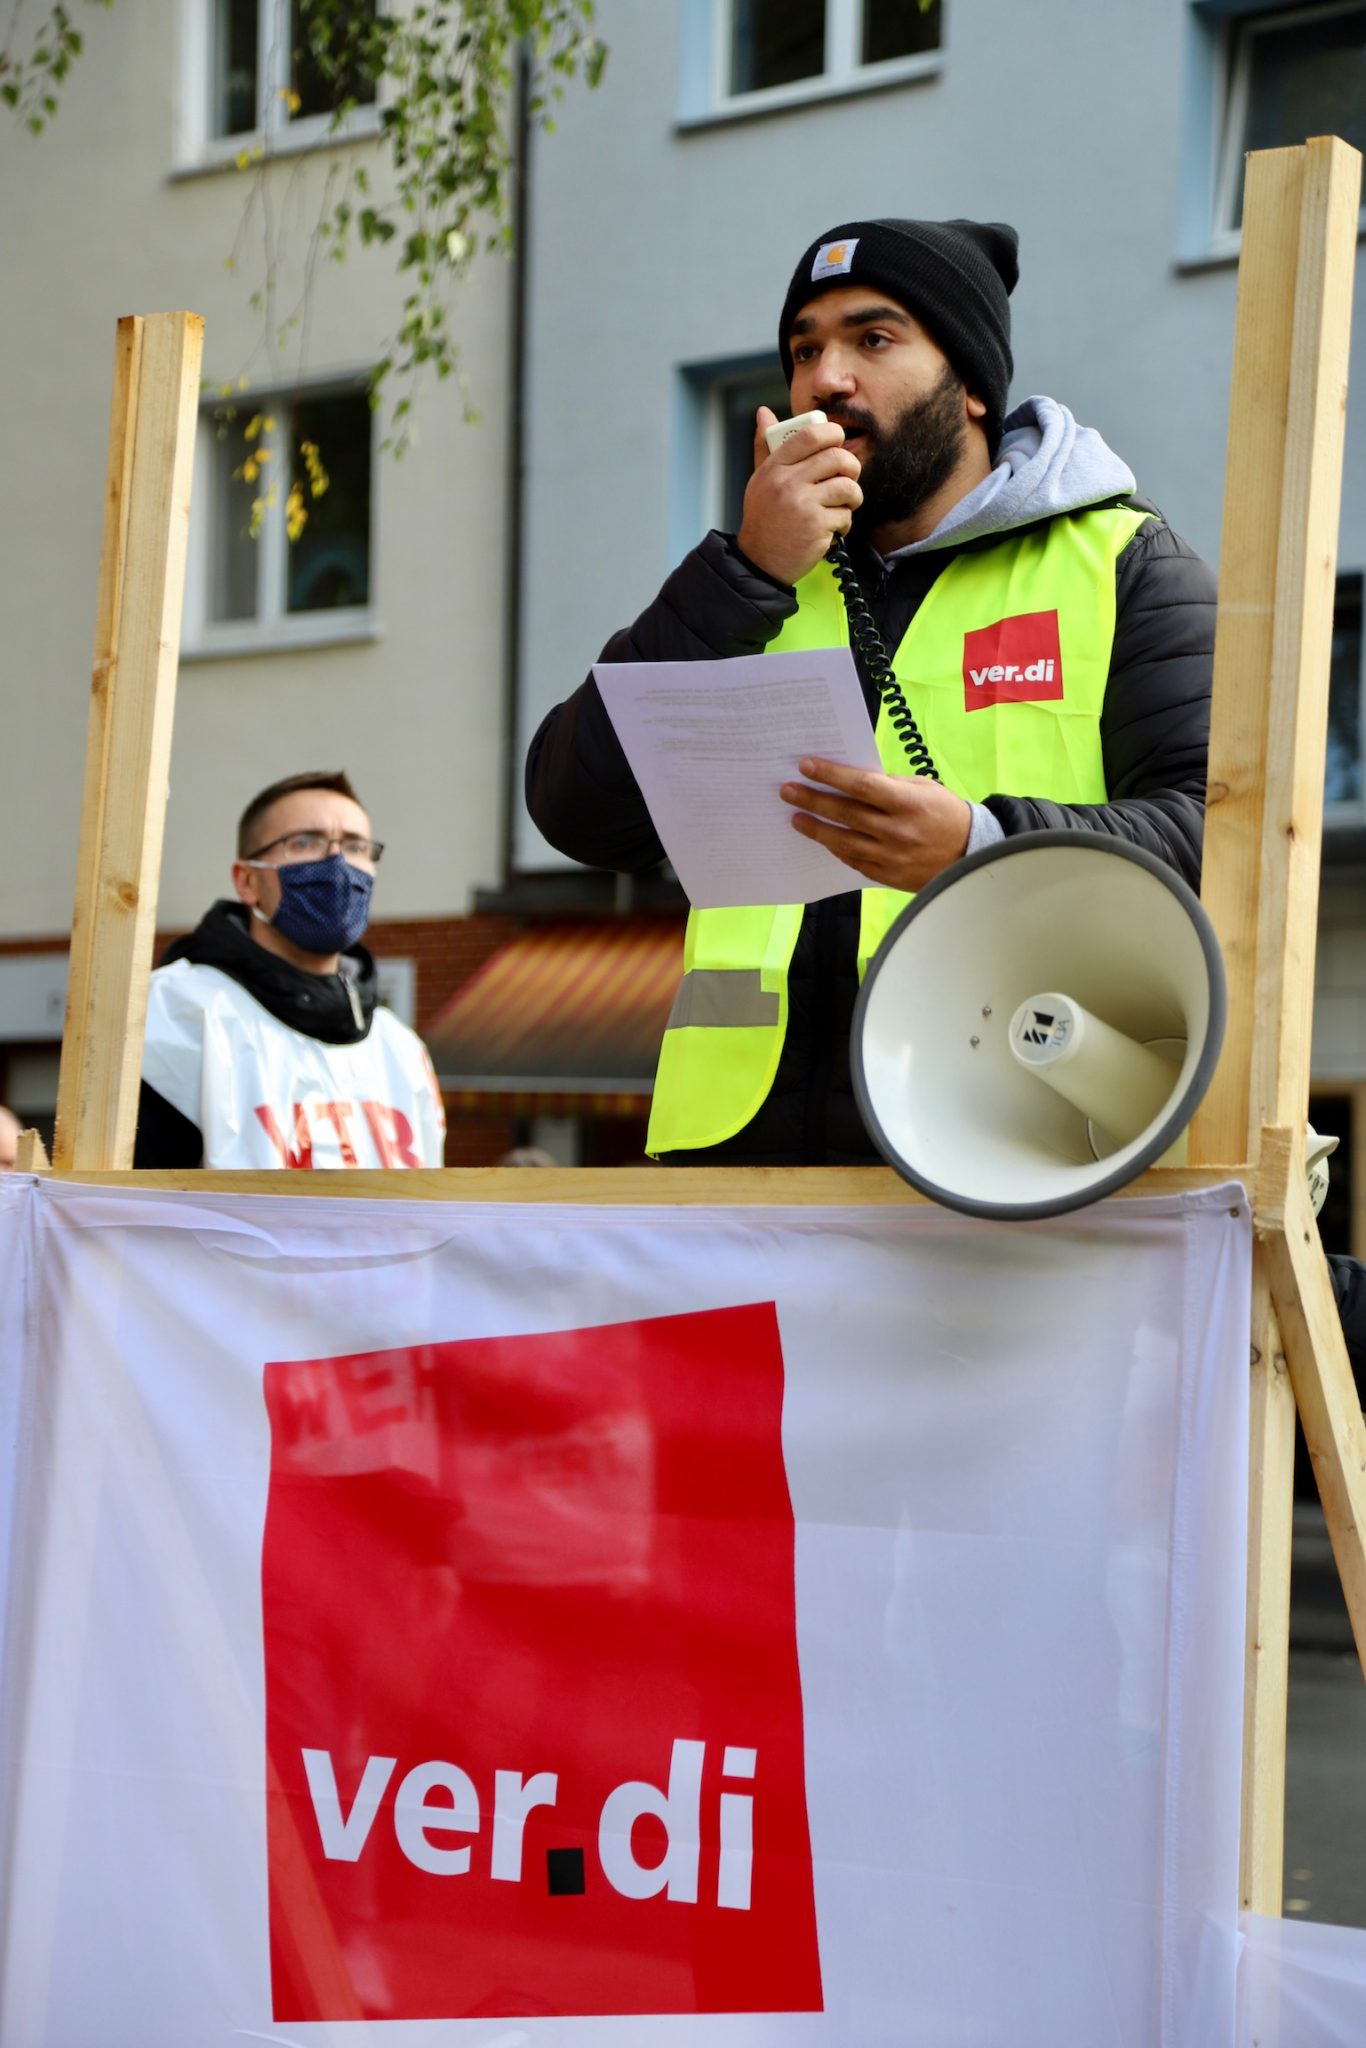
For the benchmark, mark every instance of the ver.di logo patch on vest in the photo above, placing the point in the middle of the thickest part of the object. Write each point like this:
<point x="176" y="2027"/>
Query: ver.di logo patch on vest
<point x="1016" y="661"/>
<point x="533" y="1707"/>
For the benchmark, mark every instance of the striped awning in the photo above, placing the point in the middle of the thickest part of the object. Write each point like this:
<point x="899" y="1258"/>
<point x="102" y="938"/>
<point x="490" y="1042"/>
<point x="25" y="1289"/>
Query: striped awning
<point x="565" y="1009"/>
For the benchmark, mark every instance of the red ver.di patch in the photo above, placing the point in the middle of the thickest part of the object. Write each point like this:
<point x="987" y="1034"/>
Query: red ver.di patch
<point x="533" y="1709"/>
<point x="1016" y="661"/>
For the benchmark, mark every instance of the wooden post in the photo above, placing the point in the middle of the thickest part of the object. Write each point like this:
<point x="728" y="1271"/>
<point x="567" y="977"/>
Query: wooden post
<point x="1224" y="1127"/>
<point x="137" y="641"/>
<point x="1325" y="1393"/>
<point x="30" y="1154"/>
<point x="1262" y="838"/>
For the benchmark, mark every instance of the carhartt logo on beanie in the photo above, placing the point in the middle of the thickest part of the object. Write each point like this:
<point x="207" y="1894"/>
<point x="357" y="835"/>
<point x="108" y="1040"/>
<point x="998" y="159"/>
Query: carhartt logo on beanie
<point x="956" y="276"/>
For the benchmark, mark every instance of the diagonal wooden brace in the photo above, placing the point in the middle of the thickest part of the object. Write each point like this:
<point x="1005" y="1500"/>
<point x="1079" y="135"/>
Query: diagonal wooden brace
<point x="1325" y="1391"/>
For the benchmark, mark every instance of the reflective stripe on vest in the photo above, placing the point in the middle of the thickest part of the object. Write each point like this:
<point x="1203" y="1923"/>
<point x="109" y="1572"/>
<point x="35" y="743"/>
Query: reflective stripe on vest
<point x="996" y="721"/>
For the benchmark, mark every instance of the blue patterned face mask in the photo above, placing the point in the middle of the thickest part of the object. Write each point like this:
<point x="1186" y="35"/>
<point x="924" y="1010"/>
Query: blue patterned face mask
<point x="324" y="904"/>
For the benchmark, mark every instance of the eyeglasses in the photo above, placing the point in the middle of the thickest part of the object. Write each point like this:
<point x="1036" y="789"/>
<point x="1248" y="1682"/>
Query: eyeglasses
<point x="318" y="845"/>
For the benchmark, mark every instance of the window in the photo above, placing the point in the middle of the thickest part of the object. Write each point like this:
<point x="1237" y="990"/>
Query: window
<point x="264" y="84"/>
<point x="1344" y="792"/>
<point x="282" y="521"/>
<point x="798" y="49"/>
<point x="736" y="401"/>
<point x="712" y="449"/>
<point x="1288" y="74"/>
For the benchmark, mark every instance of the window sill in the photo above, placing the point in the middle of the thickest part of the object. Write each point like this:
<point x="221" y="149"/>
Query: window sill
<point x="786" y="99"/>
<point x="224" y="153"/>
<point x="1225" y="249"/>
<point x="572" y="892"/>
<point x="293" y="636"/>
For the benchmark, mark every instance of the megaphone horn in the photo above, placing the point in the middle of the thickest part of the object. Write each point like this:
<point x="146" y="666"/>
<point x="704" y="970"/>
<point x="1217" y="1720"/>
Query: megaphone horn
<point x="1039" y="1025"/>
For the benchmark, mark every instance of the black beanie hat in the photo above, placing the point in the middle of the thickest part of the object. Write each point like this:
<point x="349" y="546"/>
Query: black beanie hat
<point x="955" y="276"/>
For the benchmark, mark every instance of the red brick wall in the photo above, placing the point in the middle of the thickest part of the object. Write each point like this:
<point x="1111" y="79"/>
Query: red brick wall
<point x="449" y="951"/>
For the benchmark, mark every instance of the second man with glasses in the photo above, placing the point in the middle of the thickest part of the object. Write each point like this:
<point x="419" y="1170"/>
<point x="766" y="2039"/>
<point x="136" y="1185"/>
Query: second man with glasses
<point x="266" y="1042"/>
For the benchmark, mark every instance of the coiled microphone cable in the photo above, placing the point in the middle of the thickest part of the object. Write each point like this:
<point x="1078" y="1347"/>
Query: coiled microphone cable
<point x="868" y="644"/>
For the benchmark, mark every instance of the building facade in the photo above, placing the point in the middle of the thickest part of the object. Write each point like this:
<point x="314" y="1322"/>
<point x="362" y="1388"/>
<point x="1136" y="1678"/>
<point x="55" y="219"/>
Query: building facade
<point x="188" y="166"/>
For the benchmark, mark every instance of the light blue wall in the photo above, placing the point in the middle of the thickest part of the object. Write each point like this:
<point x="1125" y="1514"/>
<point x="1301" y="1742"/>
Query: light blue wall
<point x="656" y="246"/>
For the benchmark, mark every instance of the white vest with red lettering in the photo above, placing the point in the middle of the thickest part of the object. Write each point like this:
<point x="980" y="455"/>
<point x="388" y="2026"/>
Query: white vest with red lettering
<point x="264" y="1094"/>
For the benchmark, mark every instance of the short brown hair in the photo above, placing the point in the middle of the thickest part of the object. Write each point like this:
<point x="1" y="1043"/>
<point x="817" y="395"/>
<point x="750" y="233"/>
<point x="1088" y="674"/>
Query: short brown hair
<point x="249" y="824"/>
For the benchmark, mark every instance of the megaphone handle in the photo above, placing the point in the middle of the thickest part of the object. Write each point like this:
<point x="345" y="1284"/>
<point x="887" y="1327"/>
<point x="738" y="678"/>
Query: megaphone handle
<point x="868" y="642"/>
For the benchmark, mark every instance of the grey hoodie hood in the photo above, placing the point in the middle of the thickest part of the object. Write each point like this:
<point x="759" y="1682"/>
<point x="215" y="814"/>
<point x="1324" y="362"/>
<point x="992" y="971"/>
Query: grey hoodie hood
<point x="1045" y="464"/>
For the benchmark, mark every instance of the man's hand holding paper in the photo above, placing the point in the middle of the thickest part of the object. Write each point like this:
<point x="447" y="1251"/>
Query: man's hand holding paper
<point x="897" y="831"/>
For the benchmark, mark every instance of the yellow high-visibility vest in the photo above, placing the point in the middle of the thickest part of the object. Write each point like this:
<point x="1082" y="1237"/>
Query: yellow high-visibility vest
<point x="1004" y="666"/>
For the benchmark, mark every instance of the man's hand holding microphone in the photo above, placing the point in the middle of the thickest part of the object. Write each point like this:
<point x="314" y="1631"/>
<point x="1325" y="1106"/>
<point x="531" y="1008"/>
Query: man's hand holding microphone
<point x="799" y="497"/>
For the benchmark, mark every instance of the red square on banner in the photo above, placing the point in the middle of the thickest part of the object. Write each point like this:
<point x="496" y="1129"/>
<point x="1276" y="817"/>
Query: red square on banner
<point x="1016" y="661"/>
<point x="533" y="1710"/>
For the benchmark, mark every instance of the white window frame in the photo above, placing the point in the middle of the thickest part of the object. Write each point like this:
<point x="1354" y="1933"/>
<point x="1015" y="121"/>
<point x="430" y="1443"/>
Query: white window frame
<point x="843" y="73"/>
<point x="1235" y="84"/>
<point x="197" y="148"/>
<point x="718" y="392"/>
<point x="274" y="628"/>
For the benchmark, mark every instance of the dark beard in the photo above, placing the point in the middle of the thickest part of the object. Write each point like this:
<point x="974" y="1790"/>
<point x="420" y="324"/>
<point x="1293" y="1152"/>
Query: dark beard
<point x="914" y="458"/>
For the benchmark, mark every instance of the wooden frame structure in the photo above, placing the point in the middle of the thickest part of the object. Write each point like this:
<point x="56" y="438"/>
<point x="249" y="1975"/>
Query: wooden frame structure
<point x="1261" y="878"/>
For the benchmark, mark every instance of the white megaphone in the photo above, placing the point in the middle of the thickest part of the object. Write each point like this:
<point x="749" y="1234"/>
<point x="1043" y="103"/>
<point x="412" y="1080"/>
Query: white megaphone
<point x="1039" y="1025"/>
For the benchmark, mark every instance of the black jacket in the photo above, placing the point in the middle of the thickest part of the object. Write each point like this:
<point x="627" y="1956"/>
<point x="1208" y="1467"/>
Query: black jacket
<point x="1349" y="1288"/>
<point x="335" y="1008"/>
<point x="1154" y="735"/>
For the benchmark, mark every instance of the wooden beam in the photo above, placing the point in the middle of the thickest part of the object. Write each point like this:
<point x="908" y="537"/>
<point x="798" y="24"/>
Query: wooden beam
<point x="137" y="641"/>
<point x="1249" y="553"/>
<point x="1302" y="635"/>
<point x="30" y="1154"/>
<point x="1262" y="837"/>
<point x="1266" y="1667"/>
<point x="108" y="609"/>
<point x="1231" y="890"/>
<point x="1325" y="1390"/>
<point x="637" y="1186"/>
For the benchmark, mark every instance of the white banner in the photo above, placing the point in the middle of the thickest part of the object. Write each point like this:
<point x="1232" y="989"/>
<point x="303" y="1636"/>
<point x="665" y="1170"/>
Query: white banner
<point x="1301" y="1985"/>
<point x="541" y="1627"/>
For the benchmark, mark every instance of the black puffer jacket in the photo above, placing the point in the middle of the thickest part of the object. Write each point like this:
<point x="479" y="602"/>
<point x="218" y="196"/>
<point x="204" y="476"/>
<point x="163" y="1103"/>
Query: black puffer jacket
<point x="1154" y="735"/>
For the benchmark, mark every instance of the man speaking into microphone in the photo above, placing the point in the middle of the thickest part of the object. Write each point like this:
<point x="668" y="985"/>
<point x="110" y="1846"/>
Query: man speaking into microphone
<point x="1052" y="635"/>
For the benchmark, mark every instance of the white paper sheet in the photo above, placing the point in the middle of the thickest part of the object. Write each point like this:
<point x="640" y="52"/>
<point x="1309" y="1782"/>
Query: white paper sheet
<point x="709" y="742"/>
